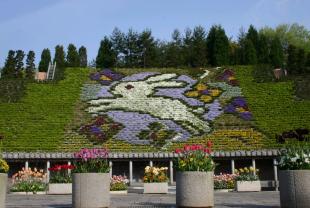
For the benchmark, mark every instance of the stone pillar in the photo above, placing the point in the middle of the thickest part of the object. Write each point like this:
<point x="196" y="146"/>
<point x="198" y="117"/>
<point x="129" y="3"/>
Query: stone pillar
<point x="275" y="172"/>
<point x="171" y="171"/>
<point x="254" y="165"/>
<point x="48" y="165"/>
<point x="232" y="166"/>
<point x="130" y="172"/>
<point x="26" y="164"/>
<point x="151" y="163"/>
<point x="111" y="165"/>
<point x="69" y="171"/>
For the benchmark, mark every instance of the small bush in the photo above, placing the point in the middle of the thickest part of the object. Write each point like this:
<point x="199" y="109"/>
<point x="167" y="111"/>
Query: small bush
<point x="263" y="73"/>
<point x="12" y="90"/>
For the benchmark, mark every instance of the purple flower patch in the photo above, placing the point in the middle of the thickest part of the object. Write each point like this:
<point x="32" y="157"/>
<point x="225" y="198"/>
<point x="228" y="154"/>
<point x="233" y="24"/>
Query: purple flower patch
<point x="134" y="123"/>
<point x="106" y="76"/>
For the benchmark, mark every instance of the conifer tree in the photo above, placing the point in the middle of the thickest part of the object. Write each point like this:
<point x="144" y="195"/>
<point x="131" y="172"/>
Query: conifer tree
<point x="292" y="59"/>
<point x="199" y="47"/>
<point x="118" y="45"/>
<point x="172" y="51"/>
<point x="217" y="46"/>
<point x="8" y="70"/>
<point x="73" y="59"/>
<point x="263" y="50"/>
<point x="19" y="63"/>
<point x="147" y="47"/>
<point x="253" y="36"/>
<point x="106" y="56"/>
<point x="83" y="56"/>
<point x="30" y="65"/>
<point x="45" y="60"/>
<point x="301" y="61"/>
<point x="250" y="52"/>
<point x="276" y="53"/>
<point x="59" y="57"/>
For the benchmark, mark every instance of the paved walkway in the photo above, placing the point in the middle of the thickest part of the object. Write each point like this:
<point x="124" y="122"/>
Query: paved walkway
<point x="266" y="199"/>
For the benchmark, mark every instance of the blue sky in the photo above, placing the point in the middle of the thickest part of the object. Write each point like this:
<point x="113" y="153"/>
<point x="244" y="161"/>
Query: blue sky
<point x="38" y="24"/>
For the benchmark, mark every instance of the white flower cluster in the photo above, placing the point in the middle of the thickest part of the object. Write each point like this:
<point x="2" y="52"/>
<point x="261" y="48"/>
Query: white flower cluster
<point x="138" y="97"/>
<point x="295" y="159"/>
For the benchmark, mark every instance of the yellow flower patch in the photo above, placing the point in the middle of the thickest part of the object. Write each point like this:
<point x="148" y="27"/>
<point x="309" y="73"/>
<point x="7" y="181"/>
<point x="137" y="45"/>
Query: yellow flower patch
<point x="206" y="98"/>
<point x="192" y="94"/>
<point x="201" y="86"/>
<point x="240" y="110"/>
<point x="103" y="77"/>
<point x="215" y="92"/>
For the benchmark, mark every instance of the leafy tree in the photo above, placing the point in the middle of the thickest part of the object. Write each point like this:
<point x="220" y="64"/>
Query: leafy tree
<point x="253" y="36"/>
<point x="59" y="57"/>
<point x="8" y="70"/>
<point x="276" y="53"/>
<point x="217" y="46"/>
<point x="263" y="50"/>
<point x="45" y="60"/>
<point x="30" y="65"/>
<point x="19" y="61"/>
<point x="147" y="48"/>
<point x="73" y="59"/>
<point x="83" y="56"/>
<point x="250" y="52"/>
<point x="106" y="55"/>
<point x="292" y="65"/>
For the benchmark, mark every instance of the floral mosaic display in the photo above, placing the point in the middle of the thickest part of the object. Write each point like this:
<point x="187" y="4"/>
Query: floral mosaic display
<point x="151" y="108"/>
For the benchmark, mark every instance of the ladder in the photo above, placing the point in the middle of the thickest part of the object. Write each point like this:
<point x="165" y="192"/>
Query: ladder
<point x="51" y="71"/>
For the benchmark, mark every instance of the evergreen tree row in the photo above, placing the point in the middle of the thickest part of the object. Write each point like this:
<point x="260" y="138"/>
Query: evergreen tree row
<point x="197" y="48"/>
<point x="14" y="65"/>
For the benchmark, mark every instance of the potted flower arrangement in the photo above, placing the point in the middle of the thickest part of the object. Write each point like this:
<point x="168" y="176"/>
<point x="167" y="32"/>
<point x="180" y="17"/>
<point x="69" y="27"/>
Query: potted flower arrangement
<point x="294" y="177"/>
<point x="4" y="168"/>
<point x="29" y="181"/>
<point x="224" y="182"/>
<point x="155" y="180"/>
<point x="119" y="184"/>
<point x="60" y="181"/>
<point x="91" y="179"/>
<point x="194" y="181"/>
<point x="247" y="179"/>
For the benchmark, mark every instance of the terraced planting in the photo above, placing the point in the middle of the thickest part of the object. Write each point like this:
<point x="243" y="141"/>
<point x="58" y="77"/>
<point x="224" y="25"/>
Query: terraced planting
<point x="154" y="110"/>
<point x="38" y="121"/>
<point x="273" y="104"/>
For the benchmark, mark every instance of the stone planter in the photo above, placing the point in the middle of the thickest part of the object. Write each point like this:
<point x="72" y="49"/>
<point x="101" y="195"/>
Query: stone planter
<point x="223" y="190"/>
<point x="155" y="188"/>
<point x="91" y="190"/>
<point x="248" y="186"/>
<point x="3" y="185"/>
<point x="119" y="192"/>
<point x="294" y="188"/>
<point x="59" y="188"/>
<point x="194" y="189"/>
<point x="28" y="193"/>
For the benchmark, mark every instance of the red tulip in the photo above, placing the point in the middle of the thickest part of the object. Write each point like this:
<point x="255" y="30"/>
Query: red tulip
<point x="209" y="144"/>
<point x="178" y="151"/>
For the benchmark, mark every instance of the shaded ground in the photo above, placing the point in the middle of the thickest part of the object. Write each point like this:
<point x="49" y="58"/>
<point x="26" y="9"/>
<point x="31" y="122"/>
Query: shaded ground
<point x="265" y="199"/>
